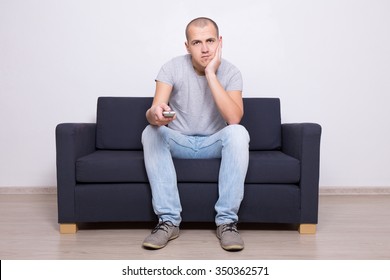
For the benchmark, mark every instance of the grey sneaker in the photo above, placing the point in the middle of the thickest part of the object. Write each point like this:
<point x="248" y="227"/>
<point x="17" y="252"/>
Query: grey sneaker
<point x="229" y="237"/>
<point x="160" y="235"/>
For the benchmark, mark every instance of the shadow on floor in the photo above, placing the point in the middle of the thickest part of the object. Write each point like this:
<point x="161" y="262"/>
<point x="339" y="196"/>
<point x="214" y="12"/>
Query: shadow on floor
<point x="184" y="225"/>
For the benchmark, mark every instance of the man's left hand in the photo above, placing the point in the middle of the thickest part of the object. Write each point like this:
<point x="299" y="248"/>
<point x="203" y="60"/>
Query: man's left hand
<point x="213" y="65"/>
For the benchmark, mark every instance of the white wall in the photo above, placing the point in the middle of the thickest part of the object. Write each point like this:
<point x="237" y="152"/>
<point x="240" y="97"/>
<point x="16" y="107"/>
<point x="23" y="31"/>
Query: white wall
<point x="328" y="61"/>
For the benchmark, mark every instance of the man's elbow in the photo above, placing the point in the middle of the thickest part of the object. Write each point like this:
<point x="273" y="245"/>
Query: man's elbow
<point x="234" y="120"/>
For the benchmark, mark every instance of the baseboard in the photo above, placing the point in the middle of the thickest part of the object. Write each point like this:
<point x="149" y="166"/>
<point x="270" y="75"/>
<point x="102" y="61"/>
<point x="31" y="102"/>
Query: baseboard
<point x="28" y="190"/>
<point x="361" y="190"/>
<point x="324" y="190"/>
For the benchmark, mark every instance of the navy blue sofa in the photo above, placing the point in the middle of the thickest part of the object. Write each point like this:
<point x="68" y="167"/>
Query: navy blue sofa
<point x="101" y="175"/>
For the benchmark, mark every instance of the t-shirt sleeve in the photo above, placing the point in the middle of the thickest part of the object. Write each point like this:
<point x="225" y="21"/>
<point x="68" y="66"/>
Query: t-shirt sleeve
<point x="166" y="74"/>
<point x="235" y="82"/>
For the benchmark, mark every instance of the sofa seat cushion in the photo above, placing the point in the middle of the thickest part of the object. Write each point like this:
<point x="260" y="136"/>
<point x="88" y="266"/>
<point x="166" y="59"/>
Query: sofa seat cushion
<point x="273" y="167"/>
<point x="108" y="166"/>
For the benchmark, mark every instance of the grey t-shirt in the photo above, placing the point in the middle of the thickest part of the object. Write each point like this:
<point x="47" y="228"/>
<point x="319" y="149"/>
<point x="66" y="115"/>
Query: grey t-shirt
<point x="191" y="97"/>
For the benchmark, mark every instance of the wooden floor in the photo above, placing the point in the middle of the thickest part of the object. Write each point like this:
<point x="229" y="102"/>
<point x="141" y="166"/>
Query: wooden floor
<point x="350" y="227"/>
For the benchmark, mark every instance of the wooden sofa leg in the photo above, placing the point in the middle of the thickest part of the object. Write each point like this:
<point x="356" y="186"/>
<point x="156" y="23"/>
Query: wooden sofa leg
<point x="68" y="228"/>
<point x="307" y="228"/>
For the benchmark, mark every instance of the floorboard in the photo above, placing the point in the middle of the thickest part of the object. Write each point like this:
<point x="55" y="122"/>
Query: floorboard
<point x="350" y="227"/>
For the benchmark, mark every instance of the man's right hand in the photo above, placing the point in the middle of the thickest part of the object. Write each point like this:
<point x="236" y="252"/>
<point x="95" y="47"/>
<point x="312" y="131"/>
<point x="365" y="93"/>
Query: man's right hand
<point x="157" y="116"/>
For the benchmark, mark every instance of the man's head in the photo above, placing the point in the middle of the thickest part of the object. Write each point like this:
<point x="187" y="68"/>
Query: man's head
<point x="202" y="41"/>
<point x="201" y="22"/>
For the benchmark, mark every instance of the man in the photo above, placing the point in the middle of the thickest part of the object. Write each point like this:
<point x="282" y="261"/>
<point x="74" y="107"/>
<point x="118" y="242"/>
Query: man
<point x="205" y="92"/>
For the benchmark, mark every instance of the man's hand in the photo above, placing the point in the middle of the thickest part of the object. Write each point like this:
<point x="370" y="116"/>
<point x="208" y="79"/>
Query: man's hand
<point x="213" y="65"/>
<point x="229" y="104"/>
<point x="156" y="112"/>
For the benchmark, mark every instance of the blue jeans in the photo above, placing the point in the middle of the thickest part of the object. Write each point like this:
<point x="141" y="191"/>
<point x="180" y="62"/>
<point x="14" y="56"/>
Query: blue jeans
<point x="161" y="144"/>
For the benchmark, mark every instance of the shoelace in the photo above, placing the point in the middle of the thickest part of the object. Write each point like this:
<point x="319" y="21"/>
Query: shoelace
<point x="162" y="226"/>
<point x="230" y="227"/>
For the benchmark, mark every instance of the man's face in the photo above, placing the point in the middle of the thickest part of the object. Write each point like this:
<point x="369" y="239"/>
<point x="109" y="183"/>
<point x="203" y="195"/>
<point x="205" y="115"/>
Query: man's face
<point x="202" y="44"/>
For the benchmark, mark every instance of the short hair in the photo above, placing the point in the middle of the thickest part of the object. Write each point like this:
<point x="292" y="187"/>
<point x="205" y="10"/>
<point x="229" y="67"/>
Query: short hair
<point x="201" y="22"/>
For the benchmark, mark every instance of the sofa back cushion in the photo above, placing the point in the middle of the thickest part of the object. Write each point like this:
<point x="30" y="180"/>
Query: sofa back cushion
<point x="263" y="122"/>
<point x="120" y="122"/>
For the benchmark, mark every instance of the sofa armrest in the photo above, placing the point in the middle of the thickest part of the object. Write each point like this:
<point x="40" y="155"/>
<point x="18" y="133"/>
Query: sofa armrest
<point x="73" y="140"/>
<point x="302" y="141"/>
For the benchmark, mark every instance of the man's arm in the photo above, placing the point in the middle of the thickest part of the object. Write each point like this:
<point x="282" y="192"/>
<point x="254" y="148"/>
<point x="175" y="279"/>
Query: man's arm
<point x="160" y="104"/>
<point x="229" y="103"/>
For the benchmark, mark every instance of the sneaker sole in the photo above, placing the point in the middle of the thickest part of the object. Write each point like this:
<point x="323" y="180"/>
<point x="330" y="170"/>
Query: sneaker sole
<point x="233" y="247"/>
<point x="154" y="246"/>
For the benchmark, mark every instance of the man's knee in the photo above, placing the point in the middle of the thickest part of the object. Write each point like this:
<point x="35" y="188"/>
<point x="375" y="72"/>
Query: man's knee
<point x="146" y="134"/>
<point x="238" y="133"/>
<point x="154" y="135"/>
<point x="150" y="133"/>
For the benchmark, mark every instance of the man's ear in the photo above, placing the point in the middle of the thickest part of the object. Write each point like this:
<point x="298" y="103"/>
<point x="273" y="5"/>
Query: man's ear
<point x="187" y="47"/>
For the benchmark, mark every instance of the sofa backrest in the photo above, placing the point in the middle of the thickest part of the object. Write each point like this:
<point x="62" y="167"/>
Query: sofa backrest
<point x="263" y="122"/>
<point x="121" y="120"/>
